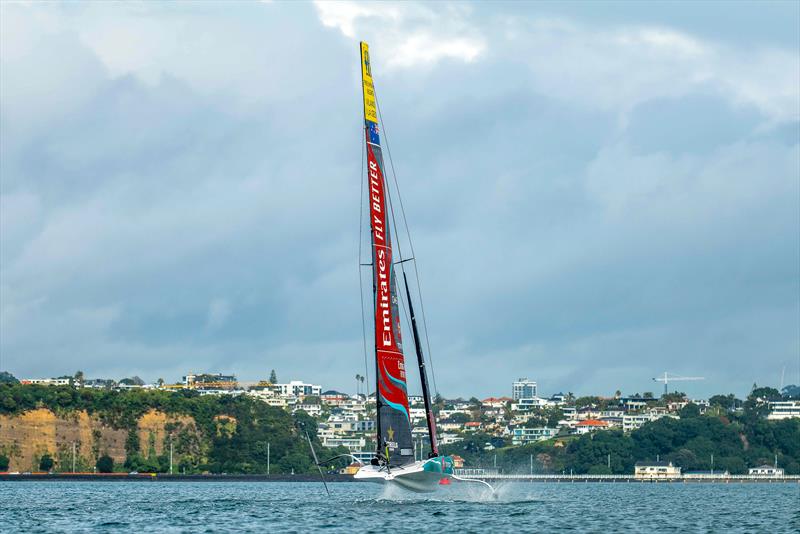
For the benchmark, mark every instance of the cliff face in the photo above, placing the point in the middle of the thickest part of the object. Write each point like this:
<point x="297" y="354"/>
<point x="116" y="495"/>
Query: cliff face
<point x="25" y="438"/>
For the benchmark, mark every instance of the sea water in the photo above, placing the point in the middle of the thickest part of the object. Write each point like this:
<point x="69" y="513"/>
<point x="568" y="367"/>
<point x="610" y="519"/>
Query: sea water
<point x="75" y="506"/>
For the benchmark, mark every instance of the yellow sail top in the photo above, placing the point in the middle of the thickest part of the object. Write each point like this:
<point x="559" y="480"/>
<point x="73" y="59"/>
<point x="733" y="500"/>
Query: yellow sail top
<point x="370" y="108"/>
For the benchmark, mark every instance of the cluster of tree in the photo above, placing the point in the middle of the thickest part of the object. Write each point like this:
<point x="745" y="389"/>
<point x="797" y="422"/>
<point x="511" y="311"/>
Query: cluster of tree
<point x="230" y="433"/>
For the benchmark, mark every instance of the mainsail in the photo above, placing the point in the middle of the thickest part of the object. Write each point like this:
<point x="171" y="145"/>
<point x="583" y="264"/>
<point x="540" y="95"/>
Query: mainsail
<point x="394" y="424"/>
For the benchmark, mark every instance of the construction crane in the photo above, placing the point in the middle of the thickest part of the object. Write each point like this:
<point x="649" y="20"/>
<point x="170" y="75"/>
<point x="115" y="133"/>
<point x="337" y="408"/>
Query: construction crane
<point x="667" y="378"/>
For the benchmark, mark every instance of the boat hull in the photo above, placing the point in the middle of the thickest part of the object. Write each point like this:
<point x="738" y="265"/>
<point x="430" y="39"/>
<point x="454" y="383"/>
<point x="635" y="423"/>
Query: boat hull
<point x="420" y="477"/>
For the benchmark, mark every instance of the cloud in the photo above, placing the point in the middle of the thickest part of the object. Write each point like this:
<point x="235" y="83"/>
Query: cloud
<point x="592" y="202"/>
<point x="621" y="67"/>
<point x="218" y="312"/>
<point x="407" y="35"/>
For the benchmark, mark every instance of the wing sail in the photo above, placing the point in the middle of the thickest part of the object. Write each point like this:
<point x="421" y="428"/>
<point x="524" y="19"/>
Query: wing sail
<point x="394" y="423"/>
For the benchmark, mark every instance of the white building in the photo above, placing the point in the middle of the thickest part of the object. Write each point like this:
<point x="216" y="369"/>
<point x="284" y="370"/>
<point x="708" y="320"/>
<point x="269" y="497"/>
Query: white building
<point x="314" y="410"/>
<point x="527" y="404"/>
<point x="523" y="389"/>
<point x="417" y="414"/>
<point x="766" y="471"/>
<point x="784" y="410"/>
<point x="448" y="439"/>
<point x="46" y="381"/>
<point x="296" y="388"/>
<point x="634" y="421"/>
<point x="656" y="470"/>
<point x="354" y="443"/>
<point x="521" y="436"/>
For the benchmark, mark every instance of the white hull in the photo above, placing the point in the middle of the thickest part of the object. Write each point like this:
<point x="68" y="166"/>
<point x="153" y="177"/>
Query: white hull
<point x="411" y="477"/>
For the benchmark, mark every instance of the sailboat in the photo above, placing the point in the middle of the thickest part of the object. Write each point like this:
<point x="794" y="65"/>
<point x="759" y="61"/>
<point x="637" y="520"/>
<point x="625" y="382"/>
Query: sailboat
<point x="394" y="462"/>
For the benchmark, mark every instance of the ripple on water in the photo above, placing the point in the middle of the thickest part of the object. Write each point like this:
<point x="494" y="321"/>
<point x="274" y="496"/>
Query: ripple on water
<point x="70" y="506"/>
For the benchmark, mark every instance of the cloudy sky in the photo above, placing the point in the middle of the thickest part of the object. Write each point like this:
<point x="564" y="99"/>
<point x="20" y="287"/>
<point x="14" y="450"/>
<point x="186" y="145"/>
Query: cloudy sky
<point x="597" y="193"/>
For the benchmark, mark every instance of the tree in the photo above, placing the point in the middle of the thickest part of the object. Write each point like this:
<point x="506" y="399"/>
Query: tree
<point x="675" y="396"/>
<point x="105" y="464"/>
<point x="46" y="463"/>
<point x="789" y="392"/>
<point x="690" y="410"/>
<point x="4" y="462"/>
<point x="273" y="378"/>
<point x="765" y="393"/>
<point x="160" y="382"/>
<point x="727" y="402"/>
<point x="132" y="381"/>
<point x="7" y="378"/>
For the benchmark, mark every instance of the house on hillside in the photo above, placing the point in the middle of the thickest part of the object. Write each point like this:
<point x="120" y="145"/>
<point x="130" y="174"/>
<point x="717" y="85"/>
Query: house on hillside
<point x="590" y="425"/>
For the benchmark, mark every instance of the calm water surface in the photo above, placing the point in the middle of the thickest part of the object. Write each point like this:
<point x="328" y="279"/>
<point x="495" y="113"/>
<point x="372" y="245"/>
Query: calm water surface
<point x="67" y="506"/>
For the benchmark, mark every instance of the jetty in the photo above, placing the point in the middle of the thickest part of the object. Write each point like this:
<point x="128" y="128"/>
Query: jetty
<point x="724" y="479"/>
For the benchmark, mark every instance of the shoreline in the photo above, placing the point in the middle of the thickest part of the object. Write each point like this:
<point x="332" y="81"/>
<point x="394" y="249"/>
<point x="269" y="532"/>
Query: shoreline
<point x="162" y="477"/>
<point x="559" y="479"/>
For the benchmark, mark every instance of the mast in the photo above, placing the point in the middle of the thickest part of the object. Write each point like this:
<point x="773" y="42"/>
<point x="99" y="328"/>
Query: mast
<point x="394" y="445"/>
<point x="423" y="376"/>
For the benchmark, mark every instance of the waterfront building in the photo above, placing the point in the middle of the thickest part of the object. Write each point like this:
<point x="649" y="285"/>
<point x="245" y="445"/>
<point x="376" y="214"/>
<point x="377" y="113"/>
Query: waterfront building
<point x="766" y="471"/>
<point x="656" y="470"/>
<point x="523" y="389"/>
<point x="784" y="410"/>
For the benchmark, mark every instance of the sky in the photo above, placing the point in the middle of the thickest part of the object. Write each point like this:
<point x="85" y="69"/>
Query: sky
<point x="597" y="192"/>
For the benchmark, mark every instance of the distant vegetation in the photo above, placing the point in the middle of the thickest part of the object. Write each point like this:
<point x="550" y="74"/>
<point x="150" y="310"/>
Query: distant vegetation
<point x="736" y="439"/>
<point x="213" y="447"/>
<point x="232" y="433"/>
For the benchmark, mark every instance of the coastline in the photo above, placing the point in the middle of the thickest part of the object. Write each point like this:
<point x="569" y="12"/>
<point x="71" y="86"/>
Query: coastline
<point x="161" y="477"/>
<point x="519" y="479"/>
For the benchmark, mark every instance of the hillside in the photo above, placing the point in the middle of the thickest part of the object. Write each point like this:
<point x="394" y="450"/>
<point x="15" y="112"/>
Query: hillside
<point x="135" y="428"/>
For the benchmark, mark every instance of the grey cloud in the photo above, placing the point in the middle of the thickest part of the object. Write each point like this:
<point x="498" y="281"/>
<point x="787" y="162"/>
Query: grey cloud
<point x="587" y="246"/>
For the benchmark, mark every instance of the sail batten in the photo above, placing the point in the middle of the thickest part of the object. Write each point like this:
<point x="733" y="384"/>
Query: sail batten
<point x="394" y="423"/>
